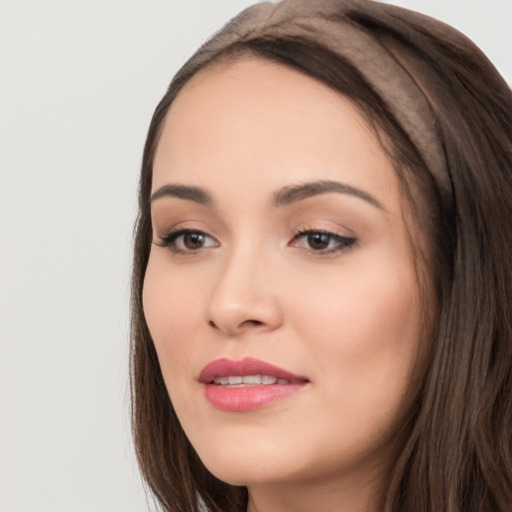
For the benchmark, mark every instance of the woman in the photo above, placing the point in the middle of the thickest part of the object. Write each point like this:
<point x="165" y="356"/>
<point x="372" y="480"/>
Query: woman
<point x="322" y="276"/>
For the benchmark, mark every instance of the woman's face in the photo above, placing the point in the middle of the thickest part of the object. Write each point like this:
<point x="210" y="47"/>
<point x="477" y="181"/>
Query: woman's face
<point x="281" y="292"/>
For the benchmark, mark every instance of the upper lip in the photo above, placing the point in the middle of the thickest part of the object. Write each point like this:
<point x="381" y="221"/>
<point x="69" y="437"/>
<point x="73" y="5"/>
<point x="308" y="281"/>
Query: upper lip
<point x="247" y="366"/>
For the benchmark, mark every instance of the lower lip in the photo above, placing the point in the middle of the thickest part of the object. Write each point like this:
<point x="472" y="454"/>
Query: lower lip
<point x="248" y="398"/>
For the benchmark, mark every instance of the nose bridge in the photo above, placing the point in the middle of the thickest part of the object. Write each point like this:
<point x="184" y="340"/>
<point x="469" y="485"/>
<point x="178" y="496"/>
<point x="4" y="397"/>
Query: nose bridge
<point x="241" y="297"/>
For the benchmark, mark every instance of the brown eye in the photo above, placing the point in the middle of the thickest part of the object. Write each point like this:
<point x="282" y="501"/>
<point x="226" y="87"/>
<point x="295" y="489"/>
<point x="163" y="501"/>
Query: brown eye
<point x="187" y="241"/>
<point x="318" y="241"/>
<point x="193" y="241"/>
<point x="322" y="242"/>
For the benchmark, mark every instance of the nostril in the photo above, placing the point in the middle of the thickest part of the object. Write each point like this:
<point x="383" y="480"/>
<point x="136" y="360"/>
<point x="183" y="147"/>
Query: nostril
<point x="252" y="322"/>
<point x="246" y="323"/>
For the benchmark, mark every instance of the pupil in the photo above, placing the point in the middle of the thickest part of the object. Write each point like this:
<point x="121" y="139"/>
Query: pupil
<point x="193" y="240"/>
<point x="318" y="240"/>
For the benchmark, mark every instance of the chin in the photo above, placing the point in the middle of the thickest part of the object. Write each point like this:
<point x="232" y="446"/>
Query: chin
<point x="249" y="465"/>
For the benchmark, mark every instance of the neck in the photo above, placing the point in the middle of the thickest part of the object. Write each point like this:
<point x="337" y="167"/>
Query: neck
<point x="336" y="495"/>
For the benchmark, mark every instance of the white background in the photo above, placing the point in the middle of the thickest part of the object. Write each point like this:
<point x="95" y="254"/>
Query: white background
<point x="78" y="83"/>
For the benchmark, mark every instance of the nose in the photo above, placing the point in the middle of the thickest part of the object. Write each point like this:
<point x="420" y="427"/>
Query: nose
<point x="245" y="296"/>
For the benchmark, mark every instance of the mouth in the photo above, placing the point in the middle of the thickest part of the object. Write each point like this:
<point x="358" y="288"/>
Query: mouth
<point x="247" y="384"/>
<point x="239" y="381"/>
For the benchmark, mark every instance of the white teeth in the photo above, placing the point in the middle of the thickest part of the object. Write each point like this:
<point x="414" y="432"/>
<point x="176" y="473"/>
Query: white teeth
<point x="251" y="380"/>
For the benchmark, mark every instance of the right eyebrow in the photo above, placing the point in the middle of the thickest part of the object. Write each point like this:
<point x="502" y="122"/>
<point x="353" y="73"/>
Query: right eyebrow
<point x="196" y="194"/>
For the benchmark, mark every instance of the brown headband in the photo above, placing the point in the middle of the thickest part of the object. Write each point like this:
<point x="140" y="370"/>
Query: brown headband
<point x="387" y="65"/>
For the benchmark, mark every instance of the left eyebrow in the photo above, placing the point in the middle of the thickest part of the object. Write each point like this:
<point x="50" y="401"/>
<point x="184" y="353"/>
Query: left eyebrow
<point x="292" y="194"/>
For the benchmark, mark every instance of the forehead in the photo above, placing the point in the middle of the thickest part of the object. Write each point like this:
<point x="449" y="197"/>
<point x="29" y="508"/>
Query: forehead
<point x="253" y="120"/>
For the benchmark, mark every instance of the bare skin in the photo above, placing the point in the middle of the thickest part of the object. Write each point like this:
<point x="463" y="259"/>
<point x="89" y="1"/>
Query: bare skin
<point x="320" y="282"/>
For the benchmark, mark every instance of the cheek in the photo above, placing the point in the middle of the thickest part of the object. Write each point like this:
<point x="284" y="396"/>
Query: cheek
<point x="364" y="340"/>
<point x="172" y="311"/>
<point x="363" y="329"/>
<point x="361" y="307"/>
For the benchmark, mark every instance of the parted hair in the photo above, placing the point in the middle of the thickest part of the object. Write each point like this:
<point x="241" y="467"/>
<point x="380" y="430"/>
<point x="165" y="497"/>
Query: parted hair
<point x="455" y="450"/>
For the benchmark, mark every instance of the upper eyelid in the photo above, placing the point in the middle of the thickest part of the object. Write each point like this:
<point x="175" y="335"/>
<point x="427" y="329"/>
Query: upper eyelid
<point x="333" y="234"/>
<point x="327" y="228"/>
<point x="186" y="226"/>
<point x="182" y="231"/>
<point x="327" y="231"/>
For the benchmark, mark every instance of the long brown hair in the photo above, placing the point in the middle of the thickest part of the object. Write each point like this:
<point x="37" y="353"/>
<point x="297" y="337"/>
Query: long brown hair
<point x="456" y="449"/>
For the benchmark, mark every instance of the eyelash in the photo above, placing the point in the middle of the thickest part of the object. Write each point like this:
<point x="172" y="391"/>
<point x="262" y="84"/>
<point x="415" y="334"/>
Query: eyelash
<point x="342" y="242"/>
<point x="169" y="241"/>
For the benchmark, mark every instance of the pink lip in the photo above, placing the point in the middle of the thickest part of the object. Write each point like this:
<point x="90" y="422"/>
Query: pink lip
<point x="247" y="398"/>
